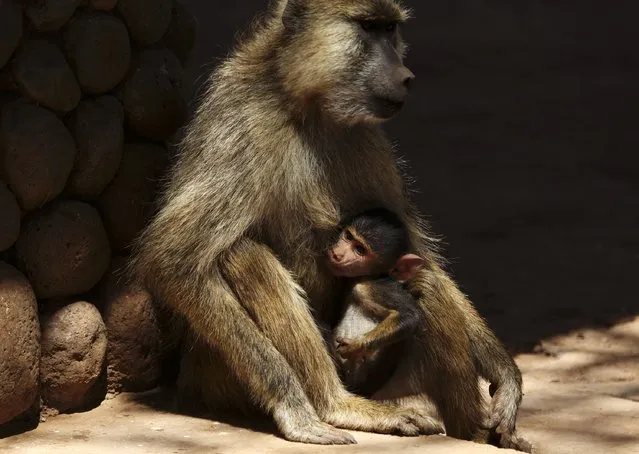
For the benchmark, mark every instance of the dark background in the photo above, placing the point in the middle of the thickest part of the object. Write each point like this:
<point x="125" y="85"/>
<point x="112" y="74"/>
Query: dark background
<point x="522" y="134"/>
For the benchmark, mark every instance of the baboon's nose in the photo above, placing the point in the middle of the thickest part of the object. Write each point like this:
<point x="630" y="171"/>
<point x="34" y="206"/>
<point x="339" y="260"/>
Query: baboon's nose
<point x="407" y="77"/>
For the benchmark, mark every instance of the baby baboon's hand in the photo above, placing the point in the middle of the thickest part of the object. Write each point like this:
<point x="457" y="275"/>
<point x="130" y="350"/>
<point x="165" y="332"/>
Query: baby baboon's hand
<point x="349" y="348"/>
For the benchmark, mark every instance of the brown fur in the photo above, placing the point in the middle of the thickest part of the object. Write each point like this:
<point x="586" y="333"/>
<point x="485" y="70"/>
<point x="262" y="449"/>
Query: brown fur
<point x="270" y="163"/>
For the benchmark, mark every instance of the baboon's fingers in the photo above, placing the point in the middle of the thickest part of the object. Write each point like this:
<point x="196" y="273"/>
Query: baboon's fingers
<point x="319" y="433"/>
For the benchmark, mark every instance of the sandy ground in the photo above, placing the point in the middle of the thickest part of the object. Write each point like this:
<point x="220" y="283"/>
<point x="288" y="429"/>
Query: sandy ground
<point x="581" y="396"/>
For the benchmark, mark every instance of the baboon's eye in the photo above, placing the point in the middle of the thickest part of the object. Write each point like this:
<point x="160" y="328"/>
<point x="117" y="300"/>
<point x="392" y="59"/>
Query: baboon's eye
<point x="348" y="235"/>
<point x="376" y="26"/>
<point x="361" y="250"/>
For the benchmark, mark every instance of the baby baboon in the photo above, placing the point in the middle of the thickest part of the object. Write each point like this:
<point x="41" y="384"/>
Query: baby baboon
<point x="286" y="142"/>
<point x="372" y="251"/>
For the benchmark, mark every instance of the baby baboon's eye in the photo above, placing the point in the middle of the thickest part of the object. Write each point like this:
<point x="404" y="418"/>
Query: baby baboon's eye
<point x="361" y="250"/>
<point x="348" y="235"/>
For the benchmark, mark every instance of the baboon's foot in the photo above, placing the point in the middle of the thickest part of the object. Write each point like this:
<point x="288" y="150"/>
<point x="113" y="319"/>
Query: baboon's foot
<point x="304" y="428"/>
<point x="357" y="413"/>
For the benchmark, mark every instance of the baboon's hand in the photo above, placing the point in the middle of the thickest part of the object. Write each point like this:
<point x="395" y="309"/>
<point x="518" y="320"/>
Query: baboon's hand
<point x="302" y="427"/>
<point x="516" y="442"/>
<point x="506" y="398"/>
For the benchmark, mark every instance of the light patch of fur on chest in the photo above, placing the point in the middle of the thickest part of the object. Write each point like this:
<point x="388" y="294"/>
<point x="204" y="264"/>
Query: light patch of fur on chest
<point x="354" y="324"/>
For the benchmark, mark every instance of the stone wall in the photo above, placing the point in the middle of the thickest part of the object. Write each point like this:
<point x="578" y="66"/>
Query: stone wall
<point x="90" y="93"/>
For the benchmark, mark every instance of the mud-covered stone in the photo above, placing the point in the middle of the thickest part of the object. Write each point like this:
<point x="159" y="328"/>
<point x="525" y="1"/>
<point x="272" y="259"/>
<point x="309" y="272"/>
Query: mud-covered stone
<point x="11" y="26"/>
<point x="98" y="48"/>
<point x="19" y="344"/>
<point x="153" y="104"/>
<point x="180" y="36"/>
<point x="127" y="203"/>
<point x="74" y="344"/>
<point x="38" y="153"/>
<point x="99" y="135"/>
<point x="63" y="249"/>
<point x="147" y="20"/>
<point x="43" y="74"/>
<point x="49" y="15"/>
<point x="133" y="332"/>
<point x="9" y="218"/>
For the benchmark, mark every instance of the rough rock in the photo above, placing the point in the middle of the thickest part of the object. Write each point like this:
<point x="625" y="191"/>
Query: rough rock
<point x="127" y="202"/>
<point x="49" y="15"/>
<point x="180" y="36"/>
<point x="102" y="5"/>
<point x="19" y="344"/>
<point x="98" y="48"/>
<point x="147" y="20"/>
<point x="11" y="26"/>
<point x="133" y="331"/>
<point x="9" y="218"/>
<point x="153" y="105"/>
<point x="63" y="249"/>
<point x="99" y="134"/>
<point x="38" y="153"/>
<point x="43" y="74"/>
<point x="74" y="344"/>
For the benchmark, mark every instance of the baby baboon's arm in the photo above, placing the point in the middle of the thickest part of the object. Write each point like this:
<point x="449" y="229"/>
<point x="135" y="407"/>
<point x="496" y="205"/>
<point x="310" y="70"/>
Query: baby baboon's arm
<point x="397" y="322"/>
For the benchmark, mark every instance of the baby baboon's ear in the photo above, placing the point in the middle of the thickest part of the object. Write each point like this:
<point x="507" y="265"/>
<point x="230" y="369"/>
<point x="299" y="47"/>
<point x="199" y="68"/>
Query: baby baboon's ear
<point x="406" y="267"/>
<point x="293" y="13"/>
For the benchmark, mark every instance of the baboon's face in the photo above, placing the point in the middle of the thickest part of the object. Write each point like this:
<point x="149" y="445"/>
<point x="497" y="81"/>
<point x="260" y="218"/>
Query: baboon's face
<point x="351" y="57"/>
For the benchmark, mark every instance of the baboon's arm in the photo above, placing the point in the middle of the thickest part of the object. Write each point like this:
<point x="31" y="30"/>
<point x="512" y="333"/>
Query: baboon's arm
<point x="489" y="355"/>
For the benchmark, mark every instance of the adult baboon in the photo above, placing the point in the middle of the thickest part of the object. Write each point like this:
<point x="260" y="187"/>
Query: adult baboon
<point x="285" y="143"/>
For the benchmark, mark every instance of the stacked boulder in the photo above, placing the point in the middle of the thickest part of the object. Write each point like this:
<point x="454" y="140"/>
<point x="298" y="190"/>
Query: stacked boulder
<point x="90" y="92"/>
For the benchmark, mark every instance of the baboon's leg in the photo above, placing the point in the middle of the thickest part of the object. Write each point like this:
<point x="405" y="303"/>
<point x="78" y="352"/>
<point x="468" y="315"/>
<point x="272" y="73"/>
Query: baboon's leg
<point x="245" y="349"/>
<point x="278" y="306"/>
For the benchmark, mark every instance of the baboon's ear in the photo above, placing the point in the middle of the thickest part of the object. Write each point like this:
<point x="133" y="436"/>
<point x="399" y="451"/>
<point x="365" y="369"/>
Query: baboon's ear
<point x="293" y="13"/>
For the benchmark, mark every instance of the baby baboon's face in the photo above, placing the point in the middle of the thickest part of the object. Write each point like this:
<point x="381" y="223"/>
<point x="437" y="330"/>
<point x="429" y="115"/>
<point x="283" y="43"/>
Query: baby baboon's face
<point x="352" y="56"/>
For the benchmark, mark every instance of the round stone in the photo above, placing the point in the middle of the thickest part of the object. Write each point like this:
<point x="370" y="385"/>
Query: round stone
<point x="9" y="218"/>
<point x="19" y="344"/>
<point x="63" y="249"/>
<point x="49" y="15"/>
<point x="147" y="20"/>
<point x="180" y="37"/>
<point x="133" y="330"/>
<point x="99" y="134"/>
<point x="127" y="203"/>
<point x="11" y="26"/>
<point x="98" y="48"/>
<point x="151" y="95"/>
<point x="43" y="74"/>
<point x="38" y="153"/>
<point x="74" y="345"/>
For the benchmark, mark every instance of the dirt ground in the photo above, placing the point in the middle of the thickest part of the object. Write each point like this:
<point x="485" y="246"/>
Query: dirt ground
<point x="581" y="395"/>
